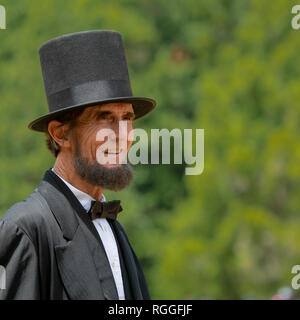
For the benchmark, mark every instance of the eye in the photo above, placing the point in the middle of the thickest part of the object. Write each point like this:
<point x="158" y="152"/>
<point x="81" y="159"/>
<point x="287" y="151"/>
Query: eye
<point x="104" y="116"/>
<point x="128" y="117"/>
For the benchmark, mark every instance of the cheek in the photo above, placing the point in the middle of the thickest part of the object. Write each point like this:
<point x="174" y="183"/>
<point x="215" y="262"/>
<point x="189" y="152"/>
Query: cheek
<point x="130" y="136"/>
<point x="129" y="143"/>
<point x="88" y="139"/>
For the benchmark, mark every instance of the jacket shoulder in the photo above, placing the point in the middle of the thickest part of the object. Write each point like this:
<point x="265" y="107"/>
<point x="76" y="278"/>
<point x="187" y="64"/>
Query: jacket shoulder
<point x="29" y="214"/>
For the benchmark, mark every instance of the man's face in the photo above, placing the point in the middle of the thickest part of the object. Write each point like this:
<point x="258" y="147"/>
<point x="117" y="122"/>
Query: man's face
<point x="97" y="118"/>
<point x="85" y="145"/>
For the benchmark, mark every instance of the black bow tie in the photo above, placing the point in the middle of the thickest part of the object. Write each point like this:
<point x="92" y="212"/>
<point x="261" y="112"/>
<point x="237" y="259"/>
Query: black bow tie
<point x="105" y="209"/>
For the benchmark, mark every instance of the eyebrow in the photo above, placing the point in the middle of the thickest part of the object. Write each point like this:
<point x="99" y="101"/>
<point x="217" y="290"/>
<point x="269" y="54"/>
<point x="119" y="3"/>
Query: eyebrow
<point x="130" y="114"/>
<point x="102" y="114"/>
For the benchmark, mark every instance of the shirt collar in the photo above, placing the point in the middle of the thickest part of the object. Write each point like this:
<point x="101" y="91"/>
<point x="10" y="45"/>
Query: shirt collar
<point x="84" y="198"/>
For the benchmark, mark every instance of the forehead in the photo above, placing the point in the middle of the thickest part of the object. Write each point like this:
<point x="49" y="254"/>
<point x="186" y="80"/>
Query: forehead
<point x="114" y="108"/>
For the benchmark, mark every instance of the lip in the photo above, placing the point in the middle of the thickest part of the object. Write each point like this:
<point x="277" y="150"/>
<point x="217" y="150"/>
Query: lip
<point x="114" y="153"/>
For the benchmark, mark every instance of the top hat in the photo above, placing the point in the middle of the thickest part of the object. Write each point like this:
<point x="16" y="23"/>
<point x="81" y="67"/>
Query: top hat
<point x="84" y="69"/>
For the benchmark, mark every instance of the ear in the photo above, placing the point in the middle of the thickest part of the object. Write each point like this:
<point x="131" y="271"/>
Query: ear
<point x="58" y="130"/>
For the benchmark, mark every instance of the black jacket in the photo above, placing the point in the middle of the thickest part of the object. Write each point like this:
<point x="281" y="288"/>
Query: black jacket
<point x="51" y="250"/>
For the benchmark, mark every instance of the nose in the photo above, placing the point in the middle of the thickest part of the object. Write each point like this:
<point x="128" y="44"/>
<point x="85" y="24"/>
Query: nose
<point x="120" y="129"/>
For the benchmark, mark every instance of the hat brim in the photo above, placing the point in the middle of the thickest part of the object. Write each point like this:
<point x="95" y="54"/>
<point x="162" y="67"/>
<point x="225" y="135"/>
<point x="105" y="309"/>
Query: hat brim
<point x="141" y="107"/>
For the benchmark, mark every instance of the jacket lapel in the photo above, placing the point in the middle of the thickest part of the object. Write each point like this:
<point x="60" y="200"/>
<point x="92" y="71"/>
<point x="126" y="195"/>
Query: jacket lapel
<point x="74" y="259"/>
<point x="99" y="257"/>
<point x="77" y="270"/>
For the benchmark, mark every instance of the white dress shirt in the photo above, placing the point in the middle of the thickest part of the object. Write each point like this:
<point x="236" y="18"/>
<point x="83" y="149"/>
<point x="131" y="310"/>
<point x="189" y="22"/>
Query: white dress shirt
<point x="106" y="235"/>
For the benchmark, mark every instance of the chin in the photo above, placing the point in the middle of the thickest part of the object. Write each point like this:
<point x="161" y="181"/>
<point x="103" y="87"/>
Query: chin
<point x="112" y="165"/>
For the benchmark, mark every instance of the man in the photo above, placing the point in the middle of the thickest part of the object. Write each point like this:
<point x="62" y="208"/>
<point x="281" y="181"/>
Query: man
<point x="63" y="241"/>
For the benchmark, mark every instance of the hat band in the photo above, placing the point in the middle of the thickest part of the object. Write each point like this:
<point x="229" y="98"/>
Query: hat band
<point x="89" y="92"/>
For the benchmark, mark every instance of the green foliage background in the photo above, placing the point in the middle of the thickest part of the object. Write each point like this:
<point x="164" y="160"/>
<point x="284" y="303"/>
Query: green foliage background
<point x="230" y="67"/>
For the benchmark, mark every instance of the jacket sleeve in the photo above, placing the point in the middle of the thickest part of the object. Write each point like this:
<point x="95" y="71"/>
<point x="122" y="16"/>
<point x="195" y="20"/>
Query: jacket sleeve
<point x="19" y="264"/>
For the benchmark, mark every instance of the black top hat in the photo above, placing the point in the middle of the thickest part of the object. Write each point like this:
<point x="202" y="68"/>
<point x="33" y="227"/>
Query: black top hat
<point x="83" y="69"/>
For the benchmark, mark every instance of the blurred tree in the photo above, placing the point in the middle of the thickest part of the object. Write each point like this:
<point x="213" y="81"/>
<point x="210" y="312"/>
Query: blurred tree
<point x="237" y="233"/>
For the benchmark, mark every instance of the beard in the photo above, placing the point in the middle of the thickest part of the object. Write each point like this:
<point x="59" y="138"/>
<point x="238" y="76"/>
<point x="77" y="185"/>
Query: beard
<point x="96" y="174"/>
